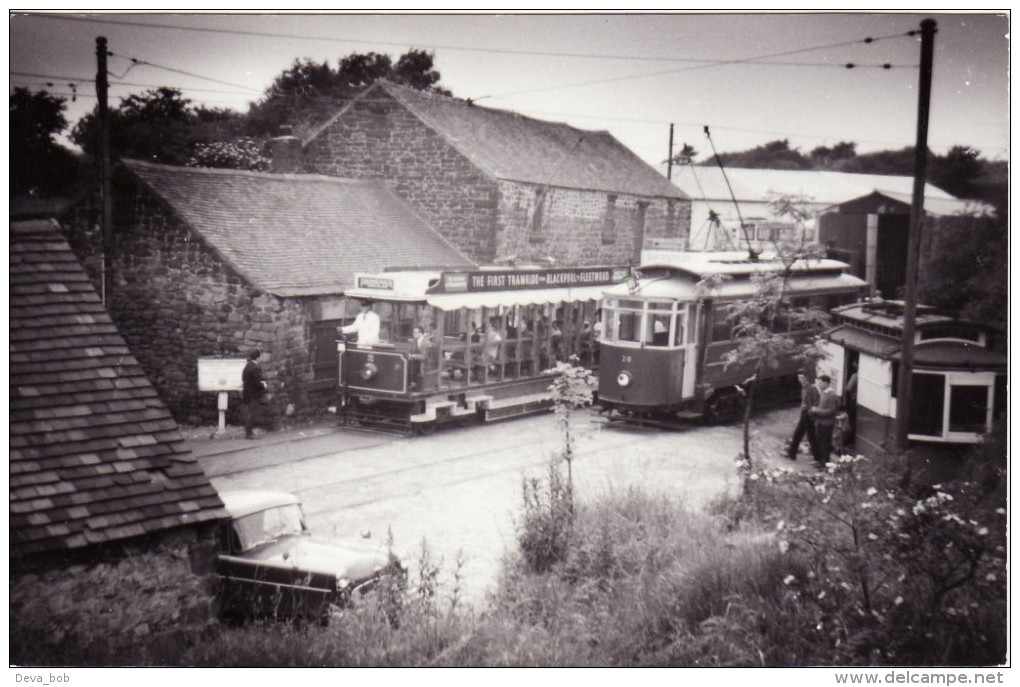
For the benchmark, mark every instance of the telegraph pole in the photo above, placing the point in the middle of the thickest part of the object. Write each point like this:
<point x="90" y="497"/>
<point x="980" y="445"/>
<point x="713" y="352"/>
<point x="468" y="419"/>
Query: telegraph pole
<point x="105" y="192"/>
<point x="903" y="400"/>
<point x="669" y="160"/>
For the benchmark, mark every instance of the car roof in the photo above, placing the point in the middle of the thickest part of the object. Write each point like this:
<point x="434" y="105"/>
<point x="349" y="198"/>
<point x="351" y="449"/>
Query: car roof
<point x="248" y="501"/>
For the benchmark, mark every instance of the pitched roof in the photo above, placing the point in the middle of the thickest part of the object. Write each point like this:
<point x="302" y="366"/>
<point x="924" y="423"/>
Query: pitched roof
<point x="939" y="207"/>
<point x="298" y="234"/>
<point x="95" y="456"/>
<point x="510" y="146"/>
<point x="819" y="187"/>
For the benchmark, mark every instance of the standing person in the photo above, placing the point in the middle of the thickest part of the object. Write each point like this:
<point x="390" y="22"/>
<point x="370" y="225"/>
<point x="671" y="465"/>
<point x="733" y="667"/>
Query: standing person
<point x="253" y="386"/>
<point x="366" y="325"/>
<point x="850" y="405"/>
<point x="824" y="414"/>
<point x="809" y="397"/>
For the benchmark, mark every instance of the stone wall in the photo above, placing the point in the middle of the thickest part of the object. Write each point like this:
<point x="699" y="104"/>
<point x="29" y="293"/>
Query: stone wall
<point x="377" y="138"/>
<point x="175" y="300"/>
<point x="583" y="227"/>
<point x="107" y="603"/>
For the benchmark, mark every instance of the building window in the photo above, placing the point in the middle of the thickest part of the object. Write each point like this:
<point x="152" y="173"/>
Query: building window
<point x="609" y="221"/>
<point x="670" y="218"/>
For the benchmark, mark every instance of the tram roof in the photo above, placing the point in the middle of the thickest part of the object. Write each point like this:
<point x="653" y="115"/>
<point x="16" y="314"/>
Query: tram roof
<point x="683" y="288"/>
<point x="734" y="263"/>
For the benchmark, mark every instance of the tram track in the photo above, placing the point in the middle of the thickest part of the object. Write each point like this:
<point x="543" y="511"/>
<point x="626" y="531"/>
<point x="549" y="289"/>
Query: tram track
<point x="627" y="442"/>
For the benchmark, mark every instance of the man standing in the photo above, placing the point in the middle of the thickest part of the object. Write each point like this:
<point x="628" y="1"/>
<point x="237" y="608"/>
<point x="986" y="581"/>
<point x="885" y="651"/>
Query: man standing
<point x="365" y="325"/>
<point x="809" y="397"/>
<point x="824" y="413"/>
<point x="253" y="386"/>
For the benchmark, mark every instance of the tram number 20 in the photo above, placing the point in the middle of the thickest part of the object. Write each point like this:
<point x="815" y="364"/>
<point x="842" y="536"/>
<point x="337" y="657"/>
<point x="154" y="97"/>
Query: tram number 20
<point x="626" y="359"/>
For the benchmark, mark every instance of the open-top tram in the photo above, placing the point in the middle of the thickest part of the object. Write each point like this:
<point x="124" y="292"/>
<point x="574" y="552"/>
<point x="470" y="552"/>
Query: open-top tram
<point x="664" y="339"/>
<point x="465" y="345"/>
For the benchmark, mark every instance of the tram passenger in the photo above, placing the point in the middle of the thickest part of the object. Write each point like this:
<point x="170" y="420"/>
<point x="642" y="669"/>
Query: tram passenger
<point x="596" y="330"/>
<point x="493" y="339"/>
<point x="660" y="332"/>
<point x="556" y="340"/>
<point x="583" y="342"/>
<point x="365" y="325"/>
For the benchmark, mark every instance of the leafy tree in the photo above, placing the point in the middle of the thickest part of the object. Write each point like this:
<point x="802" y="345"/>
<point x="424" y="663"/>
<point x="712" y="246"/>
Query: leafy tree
<point x="310" y="92"/>
<point x="768" y="328"/>
<point x="771" y="155"/>
<point x="966" y="268"/>
<point x="38" y="163"/>
<point x="244" y="153"/>
<point x="835" y="158"/>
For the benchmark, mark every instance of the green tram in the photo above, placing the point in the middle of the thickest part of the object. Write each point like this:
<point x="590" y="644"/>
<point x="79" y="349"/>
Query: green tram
<point x="459" y="346"/>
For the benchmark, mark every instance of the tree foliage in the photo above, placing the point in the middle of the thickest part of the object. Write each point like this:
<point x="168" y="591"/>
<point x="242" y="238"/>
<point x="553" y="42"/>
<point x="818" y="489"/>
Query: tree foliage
<point x="309" y="92"/>
<point x="159" y="125"/>
<point x="39" y="164"/>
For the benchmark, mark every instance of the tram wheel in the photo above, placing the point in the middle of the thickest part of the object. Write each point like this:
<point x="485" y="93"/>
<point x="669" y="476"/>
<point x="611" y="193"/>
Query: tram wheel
<point x="424" y="429"/>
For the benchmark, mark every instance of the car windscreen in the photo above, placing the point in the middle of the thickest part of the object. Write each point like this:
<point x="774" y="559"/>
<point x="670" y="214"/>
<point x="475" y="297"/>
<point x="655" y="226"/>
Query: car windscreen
<point x="268" y="526"/>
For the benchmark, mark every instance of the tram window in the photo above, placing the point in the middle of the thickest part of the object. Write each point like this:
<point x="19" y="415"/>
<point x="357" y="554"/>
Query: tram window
<point x="968" y="408"/>
<point x="660" y="330"/>
<point x="722" y="324"/>
<point x="628" y="326"/>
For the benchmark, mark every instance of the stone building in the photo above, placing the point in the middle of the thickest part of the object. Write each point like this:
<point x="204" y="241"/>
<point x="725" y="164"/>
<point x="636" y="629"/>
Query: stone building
<point x="111" y="517"/>
<point x="500" y="186"/>
<point x="213" y="263"/>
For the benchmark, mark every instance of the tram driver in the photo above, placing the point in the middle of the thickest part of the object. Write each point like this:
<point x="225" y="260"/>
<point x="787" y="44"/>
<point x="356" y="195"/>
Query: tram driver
<point x="366" y="325"/>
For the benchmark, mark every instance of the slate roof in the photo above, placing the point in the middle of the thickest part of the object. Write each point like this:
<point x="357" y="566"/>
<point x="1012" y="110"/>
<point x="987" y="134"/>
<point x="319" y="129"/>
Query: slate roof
<point x="510" y="146"/>
<point x="298" y="234"/>
<point x="95" y="456"/>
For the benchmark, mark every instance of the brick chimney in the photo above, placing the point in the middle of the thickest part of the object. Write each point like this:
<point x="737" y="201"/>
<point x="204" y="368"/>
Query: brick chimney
<point x="285" y="152"/>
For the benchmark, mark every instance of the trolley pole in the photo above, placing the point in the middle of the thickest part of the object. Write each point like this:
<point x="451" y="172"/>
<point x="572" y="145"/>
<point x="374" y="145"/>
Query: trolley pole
<point x="669" y="160"/>
<point x="105" y="192"/>
<point x="903" y="399"/>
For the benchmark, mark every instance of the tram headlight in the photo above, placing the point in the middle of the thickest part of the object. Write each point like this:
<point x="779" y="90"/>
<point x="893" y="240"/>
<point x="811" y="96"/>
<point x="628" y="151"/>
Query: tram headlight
<point x="368" y="371"/>
<point x="623" y="379"/>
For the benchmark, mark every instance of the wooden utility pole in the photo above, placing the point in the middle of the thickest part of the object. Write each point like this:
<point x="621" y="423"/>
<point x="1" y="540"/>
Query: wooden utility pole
<point x="105" y="192"/>
<point x="669" y="160"/>
<point x="903" y="399"/>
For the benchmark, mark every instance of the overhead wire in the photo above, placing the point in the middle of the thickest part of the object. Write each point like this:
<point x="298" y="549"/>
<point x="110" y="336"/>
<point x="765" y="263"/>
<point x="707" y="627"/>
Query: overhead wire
<point x="433" y="46"/>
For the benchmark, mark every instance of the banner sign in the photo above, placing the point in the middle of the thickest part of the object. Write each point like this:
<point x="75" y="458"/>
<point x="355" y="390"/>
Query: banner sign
<point x="511" y="279"/>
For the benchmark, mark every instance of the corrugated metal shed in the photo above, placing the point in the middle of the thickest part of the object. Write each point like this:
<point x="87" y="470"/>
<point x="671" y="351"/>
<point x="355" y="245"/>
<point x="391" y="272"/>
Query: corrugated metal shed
<point x="819" y="187"/>
<point x="298" y="234"/>
<point x="95" y="456"/>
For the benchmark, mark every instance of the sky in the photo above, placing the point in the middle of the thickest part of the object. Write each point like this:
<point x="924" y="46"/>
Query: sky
<point x="751" y="78"/>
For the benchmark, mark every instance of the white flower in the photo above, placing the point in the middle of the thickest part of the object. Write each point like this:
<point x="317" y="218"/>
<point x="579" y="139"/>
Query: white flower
<point x="784" y="546"/>
<point x="872" y="536"/>
<point x="990" y="577"/>
<point x="898" y="601"/>
<point x="821" y="594"/>
<point x="789" y="579"/>
<point x="983" y="531"/>
<point x="780" y="525"/>
<point x="1000" y="511"/>
<point x="872" y="491"/>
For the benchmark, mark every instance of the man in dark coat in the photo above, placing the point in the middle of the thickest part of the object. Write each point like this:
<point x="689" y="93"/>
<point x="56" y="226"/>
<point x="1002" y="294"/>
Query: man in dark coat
<point x="806" y="425"/>
<point x="253" y="386"/>
<point x="824" y="413"/>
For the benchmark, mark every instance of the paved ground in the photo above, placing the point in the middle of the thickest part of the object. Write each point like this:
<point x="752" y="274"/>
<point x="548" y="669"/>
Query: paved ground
<point x="460" y="489"/>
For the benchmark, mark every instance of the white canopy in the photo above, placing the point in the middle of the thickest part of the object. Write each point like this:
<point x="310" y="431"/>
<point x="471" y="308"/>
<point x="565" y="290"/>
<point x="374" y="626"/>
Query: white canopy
<point x="492" y="299"/>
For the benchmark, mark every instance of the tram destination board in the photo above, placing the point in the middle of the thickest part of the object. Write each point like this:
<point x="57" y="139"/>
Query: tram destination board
<point x="514" y="279"/>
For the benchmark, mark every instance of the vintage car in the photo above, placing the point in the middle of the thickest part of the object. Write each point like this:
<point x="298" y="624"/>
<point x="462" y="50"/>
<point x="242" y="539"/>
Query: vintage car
<point x="270" y="566"/>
